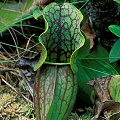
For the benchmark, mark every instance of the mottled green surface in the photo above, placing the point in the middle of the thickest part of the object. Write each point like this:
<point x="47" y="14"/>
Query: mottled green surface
<point x="55" y="92"/>
<point x="62" y="36"/>
<point x="56" y="86"/>
<point x="44" y="90"/>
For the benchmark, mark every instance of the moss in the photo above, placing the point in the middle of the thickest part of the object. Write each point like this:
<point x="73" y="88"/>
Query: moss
<point x="86" y="116"/>
<point x="12" y="107"/>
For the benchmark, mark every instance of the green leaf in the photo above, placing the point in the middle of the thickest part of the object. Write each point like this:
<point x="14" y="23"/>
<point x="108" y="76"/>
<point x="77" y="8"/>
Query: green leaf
<point x="115" y="29"/>
<point x="55" y="92"/>
<point x="84" y="91"/>
<point x="118" y="1"/>
<point x="97" y="68"/>
<point x="37" y="13"/>
<point x="115" y="52"/>
<point x="88" y="69"/>
<point x="62" y="35"/>
<point x="13" y="13"/>
<point x="114" y="87"/>
<point x="100" y="53"/>
<point x="115" y="66"/>
<point x="79" y="54"/>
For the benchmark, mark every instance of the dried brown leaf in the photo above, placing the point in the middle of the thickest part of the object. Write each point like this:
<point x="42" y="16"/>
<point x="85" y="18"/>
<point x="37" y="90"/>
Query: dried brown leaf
<point x="105" y="107"/>
<point x="89" y="32"/>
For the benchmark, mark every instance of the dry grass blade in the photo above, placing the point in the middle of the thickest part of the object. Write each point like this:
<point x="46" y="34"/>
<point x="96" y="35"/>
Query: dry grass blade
<point x="3" y="57"/>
